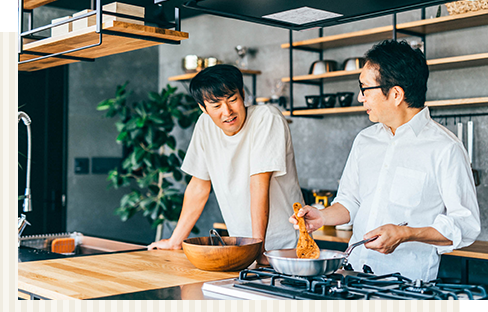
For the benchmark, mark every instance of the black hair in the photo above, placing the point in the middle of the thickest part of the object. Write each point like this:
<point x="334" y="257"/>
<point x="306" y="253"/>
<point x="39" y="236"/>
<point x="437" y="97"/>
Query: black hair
<point x="400" y="65"/>
<point x="216" y="82"/>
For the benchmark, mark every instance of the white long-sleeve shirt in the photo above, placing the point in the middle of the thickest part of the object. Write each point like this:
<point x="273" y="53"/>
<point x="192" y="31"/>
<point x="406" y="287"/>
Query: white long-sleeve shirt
<point x="420" y="175"/>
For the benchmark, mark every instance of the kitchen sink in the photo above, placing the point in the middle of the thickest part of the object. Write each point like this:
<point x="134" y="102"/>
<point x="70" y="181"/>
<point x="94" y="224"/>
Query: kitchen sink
<point x="39" y="247"/>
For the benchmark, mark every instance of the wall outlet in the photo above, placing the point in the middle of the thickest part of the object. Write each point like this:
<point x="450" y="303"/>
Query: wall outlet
<point x="82" y="165"/>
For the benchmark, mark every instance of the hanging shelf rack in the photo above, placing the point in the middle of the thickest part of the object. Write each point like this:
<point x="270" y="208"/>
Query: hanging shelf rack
<point x="418" y="28"/>
<point x="102" y="39"/>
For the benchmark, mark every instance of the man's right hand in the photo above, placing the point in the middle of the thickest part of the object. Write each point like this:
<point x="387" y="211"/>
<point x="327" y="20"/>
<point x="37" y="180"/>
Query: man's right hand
<point x="164" y="244"/>
<point x="312" y="217"/>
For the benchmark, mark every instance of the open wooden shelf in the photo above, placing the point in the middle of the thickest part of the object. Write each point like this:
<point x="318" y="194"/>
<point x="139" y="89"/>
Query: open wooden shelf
<point x="111" y="44"/>
<point x="32" y="4"/>
<point x="189" y="76"/>
<point x="426" y="26"/>
<point x="454" y="62"/>
<point x="357" y="109"/>
<point x="331" y="76"/>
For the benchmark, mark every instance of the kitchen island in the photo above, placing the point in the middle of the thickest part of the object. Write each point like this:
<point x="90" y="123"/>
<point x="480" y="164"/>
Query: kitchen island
<point x="109" y="275"/>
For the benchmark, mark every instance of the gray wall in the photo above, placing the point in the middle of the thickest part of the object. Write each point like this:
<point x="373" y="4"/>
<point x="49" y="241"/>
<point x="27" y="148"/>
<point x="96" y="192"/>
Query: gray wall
<point x="322" y="145"/>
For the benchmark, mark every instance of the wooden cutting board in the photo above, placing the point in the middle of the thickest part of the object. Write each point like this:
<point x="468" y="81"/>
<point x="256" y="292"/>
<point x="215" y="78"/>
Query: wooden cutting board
<point x="111" y="274"/>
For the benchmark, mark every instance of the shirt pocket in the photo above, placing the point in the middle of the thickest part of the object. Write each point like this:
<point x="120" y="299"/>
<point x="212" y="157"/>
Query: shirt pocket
<point x="407" y="186"/>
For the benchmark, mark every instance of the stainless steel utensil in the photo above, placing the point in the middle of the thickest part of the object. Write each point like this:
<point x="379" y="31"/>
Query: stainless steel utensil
<point x="192" y="63"/>
<point x="460" y="131"/>
<point x="476" y="174"/>
<point x="322" y="67"/>
<point x="215" y="233"/>
<point x="354" y="63"/>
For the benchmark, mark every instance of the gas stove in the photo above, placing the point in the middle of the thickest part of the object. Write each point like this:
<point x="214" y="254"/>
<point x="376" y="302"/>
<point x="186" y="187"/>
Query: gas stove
<point x="265" y="283"/>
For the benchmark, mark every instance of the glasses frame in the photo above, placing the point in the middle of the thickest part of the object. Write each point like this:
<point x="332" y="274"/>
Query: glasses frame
<point x="362" y="89"/>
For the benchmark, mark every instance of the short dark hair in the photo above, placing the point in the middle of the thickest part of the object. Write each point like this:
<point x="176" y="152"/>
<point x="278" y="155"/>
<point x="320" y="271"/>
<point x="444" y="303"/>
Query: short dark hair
<point x="216" y="82"/>
<point x="400" y="65"/>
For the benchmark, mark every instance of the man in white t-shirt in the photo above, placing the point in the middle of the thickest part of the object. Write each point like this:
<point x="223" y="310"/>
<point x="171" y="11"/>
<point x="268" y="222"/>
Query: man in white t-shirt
<point x="246" y="155"/>
<point x="405" y="168"/>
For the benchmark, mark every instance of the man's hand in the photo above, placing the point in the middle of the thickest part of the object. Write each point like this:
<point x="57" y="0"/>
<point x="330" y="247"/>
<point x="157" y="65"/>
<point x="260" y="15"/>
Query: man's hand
<point x="389" y="237"/>
<point x="164" y="244"/>
<point x="311" y="216"/>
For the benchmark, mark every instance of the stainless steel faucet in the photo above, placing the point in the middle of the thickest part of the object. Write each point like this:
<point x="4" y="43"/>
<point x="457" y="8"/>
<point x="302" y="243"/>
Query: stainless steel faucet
<point x="22" y="223"/>
<point x="27" y="195"/>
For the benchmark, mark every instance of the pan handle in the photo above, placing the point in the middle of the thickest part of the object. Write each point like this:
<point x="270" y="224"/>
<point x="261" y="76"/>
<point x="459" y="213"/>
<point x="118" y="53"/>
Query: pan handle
<point x="364" y="241"/>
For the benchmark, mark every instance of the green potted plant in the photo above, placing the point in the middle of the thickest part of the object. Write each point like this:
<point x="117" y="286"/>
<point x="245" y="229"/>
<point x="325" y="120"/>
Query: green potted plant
<point x="151" y="162"/>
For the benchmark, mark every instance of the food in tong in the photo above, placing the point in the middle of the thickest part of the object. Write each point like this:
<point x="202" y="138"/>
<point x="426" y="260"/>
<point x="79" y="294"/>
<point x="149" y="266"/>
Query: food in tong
<point x="306" y="247"/>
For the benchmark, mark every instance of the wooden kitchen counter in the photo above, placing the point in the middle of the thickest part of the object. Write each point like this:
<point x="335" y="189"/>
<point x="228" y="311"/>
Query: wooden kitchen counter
<point x="97" y="276"/>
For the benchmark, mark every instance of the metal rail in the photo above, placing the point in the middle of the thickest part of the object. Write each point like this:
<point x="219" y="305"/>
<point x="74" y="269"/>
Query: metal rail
<point x="99" y="18"/>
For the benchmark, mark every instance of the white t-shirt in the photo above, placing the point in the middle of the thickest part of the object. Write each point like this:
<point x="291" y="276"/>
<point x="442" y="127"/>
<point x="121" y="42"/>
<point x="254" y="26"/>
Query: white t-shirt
<point x="420" y="175"/>
<point x="262" y="145"/>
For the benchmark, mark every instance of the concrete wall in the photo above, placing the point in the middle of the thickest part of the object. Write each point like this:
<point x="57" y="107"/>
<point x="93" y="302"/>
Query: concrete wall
<point x="322" y="145"/>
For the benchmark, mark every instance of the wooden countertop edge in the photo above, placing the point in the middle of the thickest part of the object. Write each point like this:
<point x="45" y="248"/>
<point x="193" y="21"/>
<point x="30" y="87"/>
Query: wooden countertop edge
<point x="44" y="292"/>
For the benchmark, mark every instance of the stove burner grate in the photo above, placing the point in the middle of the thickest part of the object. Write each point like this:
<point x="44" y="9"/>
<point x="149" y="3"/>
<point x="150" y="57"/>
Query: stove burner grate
<point x="358" y="286"/>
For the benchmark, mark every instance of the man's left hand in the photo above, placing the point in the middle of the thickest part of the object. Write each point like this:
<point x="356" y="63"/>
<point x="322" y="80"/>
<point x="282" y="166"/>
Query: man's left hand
<point x="389" y="237"/>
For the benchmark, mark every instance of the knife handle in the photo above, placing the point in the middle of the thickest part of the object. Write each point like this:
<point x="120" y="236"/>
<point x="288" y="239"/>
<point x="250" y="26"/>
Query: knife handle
<point x="470" y="141"/>
<point x="460" y="131"/>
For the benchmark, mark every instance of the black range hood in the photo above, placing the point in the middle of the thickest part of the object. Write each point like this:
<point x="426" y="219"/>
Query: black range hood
<point x="289" y="14"/>
<point x="303" y="14"/>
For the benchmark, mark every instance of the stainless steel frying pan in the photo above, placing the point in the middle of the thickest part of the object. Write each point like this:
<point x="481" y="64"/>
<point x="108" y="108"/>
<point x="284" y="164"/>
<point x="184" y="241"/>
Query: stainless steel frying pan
<point x="285" y="261"/>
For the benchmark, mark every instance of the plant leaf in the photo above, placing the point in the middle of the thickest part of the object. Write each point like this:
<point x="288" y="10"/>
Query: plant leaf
<point x="171" y="142"/>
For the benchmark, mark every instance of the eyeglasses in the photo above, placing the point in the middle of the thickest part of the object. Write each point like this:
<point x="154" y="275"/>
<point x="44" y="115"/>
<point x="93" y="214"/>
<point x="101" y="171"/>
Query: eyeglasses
<point x="367" y="88"/>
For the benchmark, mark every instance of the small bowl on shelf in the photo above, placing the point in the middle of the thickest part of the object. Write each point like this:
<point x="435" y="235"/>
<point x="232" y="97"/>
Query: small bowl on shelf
<point x="312" y="101"/>
<point x="345" y="98"/>
<point x="328" y="100"/>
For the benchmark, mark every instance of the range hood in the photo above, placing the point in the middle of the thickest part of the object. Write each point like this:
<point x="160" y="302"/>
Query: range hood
<point x="289" y="14"/>
<point x="304" y="14"/>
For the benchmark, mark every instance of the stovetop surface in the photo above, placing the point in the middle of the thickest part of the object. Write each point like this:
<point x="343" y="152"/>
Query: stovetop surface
<point x="265" y="283"/>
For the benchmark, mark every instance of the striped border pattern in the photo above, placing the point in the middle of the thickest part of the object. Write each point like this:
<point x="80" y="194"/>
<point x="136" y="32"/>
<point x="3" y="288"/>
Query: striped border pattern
<point x="239" y="306"/>
<point x="8" y="170"/>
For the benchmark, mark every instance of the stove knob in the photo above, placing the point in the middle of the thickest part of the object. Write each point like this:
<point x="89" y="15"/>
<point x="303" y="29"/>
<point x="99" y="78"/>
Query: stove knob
<point x="367" y="269"/>
<point x="418" y="283"/>
<point x="348" y="267"/>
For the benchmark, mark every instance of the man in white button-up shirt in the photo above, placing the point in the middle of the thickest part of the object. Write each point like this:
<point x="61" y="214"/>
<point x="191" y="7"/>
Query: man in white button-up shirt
<point x="405" y="168"/>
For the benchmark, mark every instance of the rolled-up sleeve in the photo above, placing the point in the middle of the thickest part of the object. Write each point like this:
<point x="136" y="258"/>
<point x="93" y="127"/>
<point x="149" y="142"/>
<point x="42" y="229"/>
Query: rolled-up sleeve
<point x="195" y="163"/>
<point x="460" y="222"/>
<point x="268" y="149"/>
<point x="348" y="192"/>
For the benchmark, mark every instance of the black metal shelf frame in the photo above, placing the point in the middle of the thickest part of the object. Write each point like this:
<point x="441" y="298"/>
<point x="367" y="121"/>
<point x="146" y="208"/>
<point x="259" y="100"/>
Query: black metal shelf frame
<point x="97" y="10"/>
<point x="321" y="56"/>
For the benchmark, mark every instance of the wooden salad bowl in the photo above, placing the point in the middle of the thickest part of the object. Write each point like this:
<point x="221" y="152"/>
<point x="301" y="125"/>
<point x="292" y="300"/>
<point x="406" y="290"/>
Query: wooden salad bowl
<point x="237" y="254"/>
